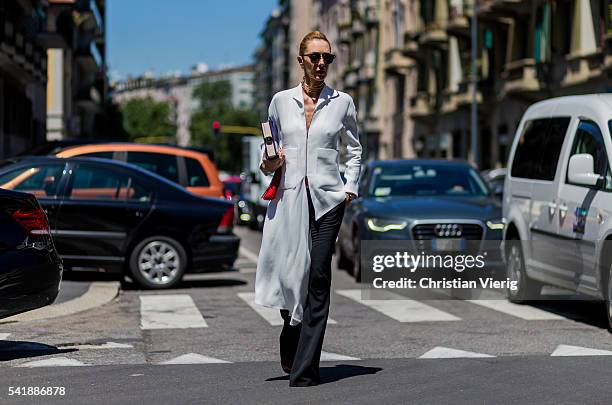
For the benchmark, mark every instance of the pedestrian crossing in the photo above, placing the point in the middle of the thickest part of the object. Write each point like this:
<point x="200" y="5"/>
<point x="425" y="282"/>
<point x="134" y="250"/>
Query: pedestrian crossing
<point x="179" y="311"/>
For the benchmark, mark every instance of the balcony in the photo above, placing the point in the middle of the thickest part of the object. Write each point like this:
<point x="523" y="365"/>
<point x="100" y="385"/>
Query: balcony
<point x="521" y="77"/>
<point x="458" y="22"/>
<point x="88" y="56"/>
<point x="88" y="97"/>
<point x="396" y="62"/>
<point x="371" y="15"/>
<point x="357" y="27"/>
<point x="420" y="106"/>
<point x="608" y="51"/>
<point x="344" y="33"/>
<point x="582" y="68"/>
<point x="434" y="35"/>
<point x="90" y="17"/>
<point x="411" y="47"/>
<point x="462" y="98"/>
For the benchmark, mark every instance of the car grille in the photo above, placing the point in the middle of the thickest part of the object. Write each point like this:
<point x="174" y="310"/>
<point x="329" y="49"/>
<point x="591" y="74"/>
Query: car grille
<point x="447" y="230"/>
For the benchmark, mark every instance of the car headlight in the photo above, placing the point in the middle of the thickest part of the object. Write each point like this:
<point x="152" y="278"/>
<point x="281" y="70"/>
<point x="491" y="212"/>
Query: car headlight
<point x="496" y="224"/>
<point x="384" y="225"/>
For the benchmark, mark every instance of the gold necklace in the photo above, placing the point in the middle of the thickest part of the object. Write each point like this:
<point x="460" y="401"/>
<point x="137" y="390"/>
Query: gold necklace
<point x="307" y="89"/>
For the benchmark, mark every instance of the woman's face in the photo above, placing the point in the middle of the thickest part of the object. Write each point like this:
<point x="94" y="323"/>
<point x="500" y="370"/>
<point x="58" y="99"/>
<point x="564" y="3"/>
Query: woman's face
<point x="315" y="71"/>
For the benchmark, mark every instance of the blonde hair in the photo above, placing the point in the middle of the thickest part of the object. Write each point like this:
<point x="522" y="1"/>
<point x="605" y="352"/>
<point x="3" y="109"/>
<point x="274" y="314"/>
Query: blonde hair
<point x="309" y="37"/>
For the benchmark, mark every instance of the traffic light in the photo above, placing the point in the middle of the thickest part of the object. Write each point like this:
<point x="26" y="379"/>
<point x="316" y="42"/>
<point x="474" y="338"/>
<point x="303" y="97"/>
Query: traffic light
<point x="216" y="127"/>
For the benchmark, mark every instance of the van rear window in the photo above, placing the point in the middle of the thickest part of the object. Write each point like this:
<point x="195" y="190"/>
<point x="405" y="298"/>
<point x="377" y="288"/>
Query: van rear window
<point x="539" y="147"/>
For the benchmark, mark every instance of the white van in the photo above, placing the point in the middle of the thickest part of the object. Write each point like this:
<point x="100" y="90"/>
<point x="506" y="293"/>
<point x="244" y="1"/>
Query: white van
<point x="558" y="199"/>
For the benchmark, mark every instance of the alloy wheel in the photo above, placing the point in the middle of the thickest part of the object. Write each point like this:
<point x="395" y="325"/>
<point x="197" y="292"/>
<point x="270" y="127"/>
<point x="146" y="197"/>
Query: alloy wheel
<point x="159" y="262"/>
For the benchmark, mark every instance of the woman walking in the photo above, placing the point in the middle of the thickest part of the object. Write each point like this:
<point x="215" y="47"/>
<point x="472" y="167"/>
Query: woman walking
<point x="302" y="221"/>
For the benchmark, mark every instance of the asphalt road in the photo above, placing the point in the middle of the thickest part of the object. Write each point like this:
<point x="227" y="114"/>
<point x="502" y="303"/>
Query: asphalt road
<point x="555" y="352"/>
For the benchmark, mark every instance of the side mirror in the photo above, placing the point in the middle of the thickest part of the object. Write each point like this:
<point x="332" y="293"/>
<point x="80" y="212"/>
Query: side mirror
<point x="581" y="170"/>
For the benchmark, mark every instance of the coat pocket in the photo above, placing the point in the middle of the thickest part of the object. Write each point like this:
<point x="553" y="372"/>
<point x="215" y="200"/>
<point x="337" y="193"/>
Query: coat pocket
<point x="327" y="170"/>
<point x="291" y="171"/>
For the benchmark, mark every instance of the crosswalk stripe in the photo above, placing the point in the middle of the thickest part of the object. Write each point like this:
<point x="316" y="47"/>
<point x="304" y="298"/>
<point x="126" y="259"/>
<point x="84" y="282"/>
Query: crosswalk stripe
<point x="520" y="311"/>
<point x="193" y="358"/>
<point x="248" y="254"/>
<point x="271" y="315"/>
<point x="568" y="350"/>
<point x="54" y="362"/>
<point x="107" y="345"/>
<point x="441" y="352"/>
<point x="329" y="356"/>
<point x="177" y="311"/>
<point x="4" y="336"/>
<point x="401" y="309"/>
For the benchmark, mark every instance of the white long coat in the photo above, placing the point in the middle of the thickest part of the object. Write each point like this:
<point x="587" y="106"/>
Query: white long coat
<point x="284" y="259"/>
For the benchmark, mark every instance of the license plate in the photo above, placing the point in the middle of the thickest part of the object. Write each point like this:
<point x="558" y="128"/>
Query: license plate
<point x="447" y="245"/>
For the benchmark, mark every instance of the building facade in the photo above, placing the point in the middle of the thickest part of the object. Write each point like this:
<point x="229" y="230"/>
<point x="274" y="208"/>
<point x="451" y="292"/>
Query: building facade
<point x="527" y="51"/>
<point x="178" y="91"/>
<point x="407" y="64"/>
<point x="23" y="71"/>
<point x="77" y="85"/>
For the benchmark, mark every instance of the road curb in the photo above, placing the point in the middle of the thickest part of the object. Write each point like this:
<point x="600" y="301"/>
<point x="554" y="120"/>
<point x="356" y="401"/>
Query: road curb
<point x="99" y="293"/>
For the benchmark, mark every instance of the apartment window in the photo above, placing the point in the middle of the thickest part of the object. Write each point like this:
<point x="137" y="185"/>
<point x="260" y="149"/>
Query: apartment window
<point x="398" y="24"/>
<point x="542" y="33"/>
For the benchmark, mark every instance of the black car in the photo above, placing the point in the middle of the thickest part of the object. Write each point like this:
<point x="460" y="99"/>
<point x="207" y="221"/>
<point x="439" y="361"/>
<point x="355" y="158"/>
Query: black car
<point x="418" y="200"/>
<point x="30" y="268"/>
<point x="117" y="217"/>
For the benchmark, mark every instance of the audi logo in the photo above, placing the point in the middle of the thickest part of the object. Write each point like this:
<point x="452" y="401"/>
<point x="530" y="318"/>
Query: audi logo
<point x="446" y="230"/>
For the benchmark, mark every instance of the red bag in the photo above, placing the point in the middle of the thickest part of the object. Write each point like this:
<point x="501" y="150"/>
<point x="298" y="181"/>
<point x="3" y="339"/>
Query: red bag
<point x="270" y="193"/>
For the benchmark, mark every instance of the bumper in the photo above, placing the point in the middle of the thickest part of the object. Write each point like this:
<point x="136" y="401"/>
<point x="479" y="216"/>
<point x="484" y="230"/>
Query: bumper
<point x="221" y="250"/>
<point x="29" y="279"/>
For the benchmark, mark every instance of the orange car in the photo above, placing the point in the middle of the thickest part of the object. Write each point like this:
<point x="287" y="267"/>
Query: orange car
<point x="190" y="169"/>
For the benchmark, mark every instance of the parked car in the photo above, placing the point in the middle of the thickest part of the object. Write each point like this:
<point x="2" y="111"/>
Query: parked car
<point x="118" y="217"/>
<point x="558" y="199"/>
<point x="191" y="169"/>
<point x="415" y="200"/>
<point x="30" y="268"/>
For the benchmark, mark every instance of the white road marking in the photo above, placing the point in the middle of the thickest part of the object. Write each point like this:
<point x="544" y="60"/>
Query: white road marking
<point x="54" y="362"/>
<point x="176" y="311"/>
<point x="107" y="345"/>
<point x="328" y="356"/>
<point x="194" y="358"/>
<point x="567" y="350"/>
<point x="520" y="311"/>
<point x="271" y="315"/>
<point x="401" y="309"/>
<point x="4" y="336"/>
<point x="248" y="254"/>
<point x="440" y="352"/>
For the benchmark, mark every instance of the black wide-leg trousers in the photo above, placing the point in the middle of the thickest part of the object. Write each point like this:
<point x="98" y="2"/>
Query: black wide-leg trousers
<point x="300" y="345"/>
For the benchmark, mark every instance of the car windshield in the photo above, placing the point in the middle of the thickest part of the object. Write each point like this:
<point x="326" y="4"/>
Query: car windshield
<point x="427" y="180"/>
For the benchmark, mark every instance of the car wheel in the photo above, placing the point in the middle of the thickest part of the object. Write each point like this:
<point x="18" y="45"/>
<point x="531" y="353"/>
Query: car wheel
<point x="527" y="289"/>
<point x="158" y="262"/>
<point x="356" y="258"/>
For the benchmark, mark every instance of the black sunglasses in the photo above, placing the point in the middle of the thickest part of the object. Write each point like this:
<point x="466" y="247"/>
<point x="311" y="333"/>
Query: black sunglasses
<point x="315" y="57"/>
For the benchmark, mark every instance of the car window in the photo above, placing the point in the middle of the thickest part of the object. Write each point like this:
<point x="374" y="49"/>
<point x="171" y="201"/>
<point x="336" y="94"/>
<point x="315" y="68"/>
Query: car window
<point x="99" y="183"/>
<point x="196" y="177"/>
<point x="163" y="164"/>
<point x="421" y="180"/>
<point x="589" y="140"/>
<point x="538" y="149"/>
<point x="38" y="179"/>
<point x="103" y="155"/>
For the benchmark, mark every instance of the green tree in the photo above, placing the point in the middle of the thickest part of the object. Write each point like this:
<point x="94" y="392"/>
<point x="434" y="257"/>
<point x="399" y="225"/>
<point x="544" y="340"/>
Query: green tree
<point x="215" y="104"/>
<point x="147" y="120"/>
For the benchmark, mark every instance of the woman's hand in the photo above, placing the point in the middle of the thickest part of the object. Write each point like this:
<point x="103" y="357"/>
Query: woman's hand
<point x="349" y="197"/>
<point x="268" y="166"/>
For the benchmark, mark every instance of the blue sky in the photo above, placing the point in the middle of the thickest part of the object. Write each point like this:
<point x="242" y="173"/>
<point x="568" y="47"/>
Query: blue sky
<point x="163" y="36"/>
